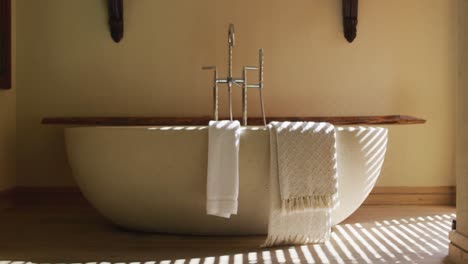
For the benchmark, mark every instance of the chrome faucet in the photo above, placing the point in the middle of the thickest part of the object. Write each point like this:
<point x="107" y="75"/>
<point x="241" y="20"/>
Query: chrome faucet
<point x="231" y="43"/>
<point x="241" y="82"/>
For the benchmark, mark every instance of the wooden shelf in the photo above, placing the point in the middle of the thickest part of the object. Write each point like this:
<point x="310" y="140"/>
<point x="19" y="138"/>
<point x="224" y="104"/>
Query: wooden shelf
<point x="203" y="121"/>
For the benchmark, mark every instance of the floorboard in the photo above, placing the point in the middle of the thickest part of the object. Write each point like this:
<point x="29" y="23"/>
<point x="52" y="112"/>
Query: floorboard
<point x="374" y="234"/>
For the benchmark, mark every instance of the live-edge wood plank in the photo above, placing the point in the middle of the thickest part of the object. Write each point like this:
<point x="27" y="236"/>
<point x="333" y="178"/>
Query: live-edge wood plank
<point x="203" y="121"/>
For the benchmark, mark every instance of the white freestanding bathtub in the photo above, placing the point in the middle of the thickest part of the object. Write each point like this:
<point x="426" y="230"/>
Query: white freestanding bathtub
<point x="154" y="178"/>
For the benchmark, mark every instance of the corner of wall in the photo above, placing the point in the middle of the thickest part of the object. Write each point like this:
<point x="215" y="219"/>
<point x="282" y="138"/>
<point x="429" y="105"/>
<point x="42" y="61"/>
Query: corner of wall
<point x="458" y="248"/>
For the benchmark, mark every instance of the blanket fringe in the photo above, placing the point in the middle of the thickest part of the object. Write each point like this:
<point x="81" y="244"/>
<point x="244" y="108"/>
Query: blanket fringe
<point x="319" y="201"/>
<point x="281" y="240"/>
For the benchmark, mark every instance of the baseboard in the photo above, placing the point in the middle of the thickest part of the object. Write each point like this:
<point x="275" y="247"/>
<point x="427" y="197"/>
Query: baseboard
<point x="444" y="195"/>
<point x="47" y="196"/>
<point x="71" y="196"/>
<point x="6" y="199"/>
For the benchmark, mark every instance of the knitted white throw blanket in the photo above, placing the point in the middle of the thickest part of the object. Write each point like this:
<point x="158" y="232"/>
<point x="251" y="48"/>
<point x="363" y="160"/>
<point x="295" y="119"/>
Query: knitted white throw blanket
<point x="303" y="182"/>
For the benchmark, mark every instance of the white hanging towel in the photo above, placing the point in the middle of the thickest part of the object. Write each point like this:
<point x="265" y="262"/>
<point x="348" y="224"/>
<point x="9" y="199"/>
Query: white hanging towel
<point x="223" y="168"/>
<point x="303" y="182"/>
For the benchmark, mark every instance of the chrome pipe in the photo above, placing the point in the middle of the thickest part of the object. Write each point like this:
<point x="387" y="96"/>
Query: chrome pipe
<point x="244" y="98"/>
<point x="260" y="70"/>
<point x="260" y="77"/>
<point x="238" y="80"/>
<point x="263" y="107"/>
<point x="231" y="43"/>
<point x="215" y="95"/>
<point x="230" y="99"/>
<point x="234" y="80"/>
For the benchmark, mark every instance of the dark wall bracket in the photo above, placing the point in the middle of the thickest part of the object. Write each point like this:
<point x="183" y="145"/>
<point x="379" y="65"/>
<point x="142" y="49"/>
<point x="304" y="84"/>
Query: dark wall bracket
<point x="350" y="19"/>
<point x="5" y="44"/>
<point x="116" y="21"/>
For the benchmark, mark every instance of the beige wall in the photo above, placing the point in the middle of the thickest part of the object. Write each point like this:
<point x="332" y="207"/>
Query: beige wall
<point x="8" y="124"/>
<point x="403" y="61"/>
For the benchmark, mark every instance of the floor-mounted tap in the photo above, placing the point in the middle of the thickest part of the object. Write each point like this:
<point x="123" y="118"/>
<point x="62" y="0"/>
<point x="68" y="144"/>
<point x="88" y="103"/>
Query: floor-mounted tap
<point x="241" y="82"/>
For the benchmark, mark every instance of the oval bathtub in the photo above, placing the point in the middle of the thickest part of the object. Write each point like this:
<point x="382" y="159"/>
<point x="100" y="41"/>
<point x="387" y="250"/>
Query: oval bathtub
<point x="154" y="178"/>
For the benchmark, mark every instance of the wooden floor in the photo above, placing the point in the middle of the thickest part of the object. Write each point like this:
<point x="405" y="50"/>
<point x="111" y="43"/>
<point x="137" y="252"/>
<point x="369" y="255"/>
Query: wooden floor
<point x="374" y="234"/>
